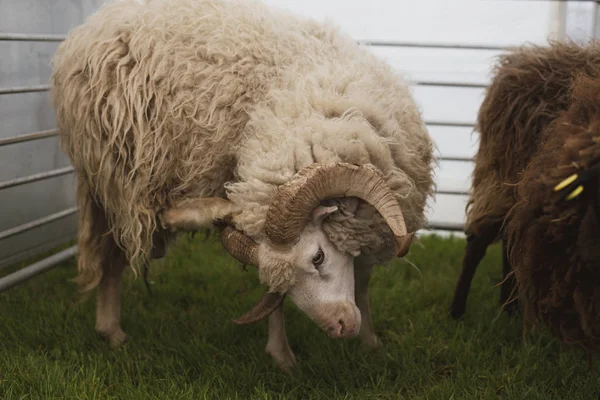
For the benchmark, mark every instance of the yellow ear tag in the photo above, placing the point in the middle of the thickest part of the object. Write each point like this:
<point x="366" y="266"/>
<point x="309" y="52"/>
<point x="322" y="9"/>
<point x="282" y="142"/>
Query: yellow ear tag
<point x="564" y="183"/>
<point x="575" y="193"/>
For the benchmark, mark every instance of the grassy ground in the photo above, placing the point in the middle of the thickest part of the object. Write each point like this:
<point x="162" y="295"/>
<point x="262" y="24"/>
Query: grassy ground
<point x="183" y="345"/>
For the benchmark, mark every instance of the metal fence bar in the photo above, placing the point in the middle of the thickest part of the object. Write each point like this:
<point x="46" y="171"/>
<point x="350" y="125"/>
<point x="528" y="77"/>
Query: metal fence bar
<point x="462" y="159"/>
<point x="25" y="89"/>
<point x="37" y="223"/>
<point x="31" y="37"/>
<point x="452" y="84"/>
<point x="453" y="192"/>
<point x="37" y="177"/>
<point x="37" y="268"/>
<point x="446" y="226"/>
<point x="28" y="137"/>
<point x="46" y="87"/>
<point x="451" y="124"/>
<point x="432" y="45"/>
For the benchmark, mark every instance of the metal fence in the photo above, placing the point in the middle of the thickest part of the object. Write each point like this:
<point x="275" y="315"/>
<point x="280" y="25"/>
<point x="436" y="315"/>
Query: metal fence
<point x="71" y="211"/>
<point x="37" y="184"/>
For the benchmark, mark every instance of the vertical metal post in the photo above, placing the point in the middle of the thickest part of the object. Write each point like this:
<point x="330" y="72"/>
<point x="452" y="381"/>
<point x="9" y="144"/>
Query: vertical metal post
<point x="597" y="21"/>
<point x="556" y="25"/>
<point x="580" y="20"/>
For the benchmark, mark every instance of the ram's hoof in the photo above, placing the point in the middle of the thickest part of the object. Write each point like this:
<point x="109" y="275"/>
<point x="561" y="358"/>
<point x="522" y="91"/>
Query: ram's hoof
<point x="115" y="337"/>
<point x="370" y="343"/>
<point x="457" y="311"/>
<point x="284" y="358"/>
<point x="165" y="219"/>
<point x="512" y="308"/>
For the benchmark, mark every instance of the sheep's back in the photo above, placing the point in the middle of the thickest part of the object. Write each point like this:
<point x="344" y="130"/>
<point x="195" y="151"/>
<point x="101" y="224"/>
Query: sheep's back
<point x="530" y="88"/>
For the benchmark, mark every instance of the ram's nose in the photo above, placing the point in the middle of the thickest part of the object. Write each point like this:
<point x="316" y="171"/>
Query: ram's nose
<point x="346" y="324"/>
<point x="336" y="330"/>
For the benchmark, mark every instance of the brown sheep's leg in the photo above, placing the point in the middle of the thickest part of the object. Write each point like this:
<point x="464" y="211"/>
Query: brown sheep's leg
<point x="277" y="344"/>
<point x="474" y="252"/>
<point x="508" y="283"/>
<point x="108" y="310"/>
<point x="362" y="275"/>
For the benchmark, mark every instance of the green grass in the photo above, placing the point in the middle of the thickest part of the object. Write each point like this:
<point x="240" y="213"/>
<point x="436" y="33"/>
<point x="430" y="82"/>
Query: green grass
<point x="183" y="345"/>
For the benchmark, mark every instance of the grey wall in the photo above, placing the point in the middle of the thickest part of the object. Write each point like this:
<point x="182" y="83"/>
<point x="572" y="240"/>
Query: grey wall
<point x="25" y="63"/>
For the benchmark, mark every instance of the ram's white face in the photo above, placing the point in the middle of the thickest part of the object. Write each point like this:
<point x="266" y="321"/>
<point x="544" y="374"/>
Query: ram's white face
<point x="324" y="280"/>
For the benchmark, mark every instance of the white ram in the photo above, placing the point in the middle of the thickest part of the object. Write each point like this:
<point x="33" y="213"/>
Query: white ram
<point x="308" y="150"/>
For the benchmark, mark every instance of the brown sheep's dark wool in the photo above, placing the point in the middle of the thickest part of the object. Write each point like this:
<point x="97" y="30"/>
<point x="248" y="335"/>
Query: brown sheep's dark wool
<point x="531" y="87"/>
<point x="554" y="242"/>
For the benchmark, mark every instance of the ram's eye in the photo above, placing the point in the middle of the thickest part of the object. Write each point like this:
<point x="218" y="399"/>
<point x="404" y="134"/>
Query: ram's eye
<point x="318" y="259"/>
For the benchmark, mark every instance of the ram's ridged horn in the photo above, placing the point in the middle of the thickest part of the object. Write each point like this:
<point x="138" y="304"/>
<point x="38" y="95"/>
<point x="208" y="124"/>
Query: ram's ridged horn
<point x="240" y="246"/>
<point x="292" y="206"/>
<point x="267" y="304"/>
<point x="245" y="250"/>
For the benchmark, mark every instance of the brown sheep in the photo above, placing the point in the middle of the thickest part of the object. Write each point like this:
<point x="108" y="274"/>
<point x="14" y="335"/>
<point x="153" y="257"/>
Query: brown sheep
<point x="530" y="88"/>
<point x="554" y="228"/>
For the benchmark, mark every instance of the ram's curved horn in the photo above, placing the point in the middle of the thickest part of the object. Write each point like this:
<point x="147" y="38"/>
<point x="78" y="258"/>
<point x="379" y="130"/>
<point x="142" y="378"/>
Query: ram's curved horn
<point x="267" y="304"/>
<point x="240" y="246"/>
<point x="245" y="250"/>
<point x="291" y="208"/>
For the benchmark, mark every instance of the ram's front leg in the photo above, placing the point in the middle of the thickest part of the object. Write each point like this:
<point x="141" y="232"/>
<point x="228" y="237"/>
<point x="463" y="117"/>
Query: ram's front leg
<point x="197" y="212"/>
<point x="277" y="344"/>
<point x="362" y="275"/>
<point x="108" y="308"/>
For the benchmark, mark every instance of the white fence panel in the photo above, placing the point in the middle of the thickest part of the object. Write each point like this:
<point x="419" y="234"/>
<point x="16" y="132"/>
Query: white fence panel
<point x="35" y="215"/>
<point x="441" y="21"/>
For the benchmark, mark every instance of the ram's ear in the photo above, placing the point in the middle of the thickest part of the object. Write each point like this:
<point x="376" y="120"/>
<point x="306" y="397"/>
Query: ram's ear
<point x="347" y="206"/>
<point x="319" y="213"/>
<point x="195" y="213"/>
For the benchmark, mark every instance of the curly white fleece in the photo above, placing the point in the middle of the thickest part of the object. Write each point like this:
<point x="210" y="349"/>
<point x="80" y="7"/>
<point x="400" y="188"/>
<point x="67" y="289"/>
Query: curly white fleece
<point x="178" y="98"/>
